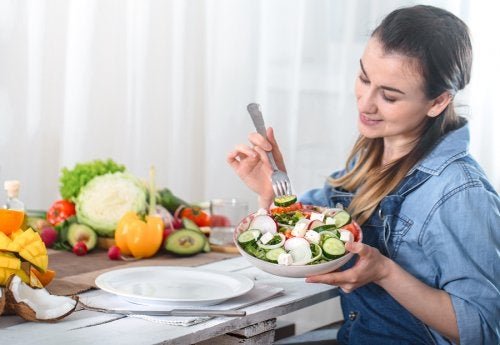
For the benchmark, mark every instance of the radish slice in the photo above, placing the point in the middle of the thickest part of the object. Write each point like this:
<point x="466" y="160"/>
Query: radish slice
<point x="304" y="221"/>
<point x="295" y="242"/>
<point x="265" y="224"/>
<point x="273" y="246"/>
<point x="315" y="224"/>
<point x="301" y="255"/>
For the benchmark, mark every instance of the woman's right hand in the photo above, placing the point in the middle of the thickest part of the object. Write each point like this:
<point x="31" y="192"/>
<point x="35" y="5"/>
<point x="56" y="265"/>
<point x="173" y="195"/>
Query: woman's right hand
<point x="252" y="165"/>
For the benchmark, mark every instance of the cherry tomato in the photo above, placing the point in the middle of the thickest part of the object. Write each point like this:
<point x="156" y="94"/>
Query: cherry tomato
<point x="60" y="211"/>
<point x="197" y="215"/>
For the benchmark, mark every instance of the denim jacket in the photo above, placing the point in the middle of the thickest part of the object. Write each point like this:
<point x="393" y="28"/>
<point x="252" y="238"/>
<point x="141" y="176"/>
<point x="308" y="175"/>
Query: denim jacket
<point x="442" y="225"/>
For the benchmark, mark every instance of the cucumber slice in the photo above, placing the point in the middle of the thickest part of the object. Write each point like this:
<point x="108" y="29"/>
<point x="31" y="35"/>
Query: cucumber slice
<point x="333" y="248"/>
<point x="207" y="248"/>
<point x="285" y="200"/>
<point x="273" y="254"/>
<point x="326" y="227"/>
<point x="249" y="236"/>
<point x="189" y="224"/>
<point x="341" y="218"/>
<point x="328" y="234"/>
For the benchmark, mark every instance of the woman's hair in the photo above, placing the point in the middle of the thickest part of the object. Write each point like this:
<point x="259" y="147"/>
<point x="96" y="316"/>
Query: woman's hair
<point x="439" y="42"/>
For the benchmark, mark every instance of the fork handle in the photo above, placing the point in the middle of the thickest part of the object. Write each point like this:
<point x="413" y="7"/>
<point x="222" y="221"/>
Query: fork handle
<point x="258" y="122"/>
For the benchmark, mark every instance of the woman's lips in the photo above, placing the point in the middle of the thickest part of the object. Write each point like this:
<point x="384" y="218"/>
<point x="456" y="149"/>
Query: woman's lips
<point x="367" y="121"/>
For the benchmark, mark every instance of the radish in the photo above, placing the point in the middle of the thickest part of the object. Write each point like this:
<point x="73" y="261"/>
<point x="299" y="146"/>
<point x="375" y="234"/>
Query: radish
<point x="301" y="255"/>
<point x="265" y="224"/>
<point x="114" y="253"/>
<point x="49" y="236"/>
<point x="315" y="224"/>
<point x="295" y="242"/>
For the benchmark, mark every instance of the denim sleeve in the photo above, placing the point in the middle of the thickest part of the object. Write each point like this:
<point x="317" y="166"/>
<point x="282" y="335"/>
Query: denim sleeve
<point x="316" y="197"/>
<point x="462" y="239"/>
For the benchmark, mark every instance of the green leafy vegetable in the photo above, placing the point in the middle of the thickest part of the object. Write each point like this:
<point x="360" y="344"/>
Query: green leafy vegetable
<point x="72" y="181"/>
<point x="168" y="200"/>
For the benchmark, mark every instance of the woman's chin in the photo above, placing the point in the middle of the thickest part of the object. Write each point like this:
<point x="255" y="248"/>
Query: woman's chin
<point x="369" y="133"/>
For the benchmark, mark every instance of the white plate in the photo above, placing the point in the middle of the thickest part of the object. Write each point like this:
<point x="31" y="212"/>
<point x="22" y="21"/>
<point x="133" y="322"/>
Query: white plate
<point x="176" y="286"/>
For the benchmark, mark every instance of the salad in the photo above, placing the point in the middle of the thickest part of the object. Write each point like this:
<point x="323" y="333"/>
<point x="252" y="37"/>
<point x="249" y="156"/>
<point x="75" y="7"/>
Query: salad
<point x="293" y="234"/>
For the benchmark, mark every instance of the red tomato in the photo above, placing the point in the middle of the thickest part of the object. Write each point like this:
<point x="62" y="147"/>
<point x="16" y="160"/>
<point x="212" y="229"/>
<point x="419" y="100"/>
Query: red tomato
<point x="60" y="211"/>
<point x="354" y="229"/>
<point x="291" y="208"/>
<point x="201" y="218"/>
<point x="218" y="220"/>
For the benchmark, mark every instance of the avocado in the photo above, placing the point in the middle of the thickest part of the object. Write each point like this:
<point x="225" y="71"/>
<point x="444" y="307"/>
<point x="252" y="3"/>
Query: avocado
<point x="185" y="242"/>
<point x="82" y="233"/>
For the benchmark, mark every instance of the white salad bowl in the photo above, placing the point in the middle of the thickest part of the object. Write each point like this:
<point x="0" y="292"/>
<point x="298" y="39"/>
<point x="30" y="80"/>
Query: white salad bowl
<point x="292" y="271"/>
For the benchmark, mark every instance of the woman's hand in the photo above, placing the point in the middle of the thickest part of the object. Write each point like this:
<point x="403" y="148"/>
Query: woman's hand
<point x="371" y="266"/>
<point x="252" y="165"/>
<point x="430" y="305"/>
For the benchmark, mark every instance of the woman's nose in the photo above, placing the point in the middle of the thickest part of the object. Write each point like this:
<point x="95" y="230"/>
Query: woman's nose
<point x="366" y="102"/>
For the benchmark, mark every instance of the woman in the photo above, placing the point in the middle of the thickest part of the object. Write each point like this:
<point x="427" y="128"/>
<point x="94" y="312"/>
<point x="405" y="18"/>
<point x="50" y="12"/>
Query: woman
<point x="427" y="270"/>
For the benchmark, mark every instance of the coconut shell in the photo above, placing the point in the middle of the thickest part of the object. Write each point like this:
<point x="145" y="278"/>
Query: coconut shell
<point x="2" y="300"/>
<point x="24" y="310"/>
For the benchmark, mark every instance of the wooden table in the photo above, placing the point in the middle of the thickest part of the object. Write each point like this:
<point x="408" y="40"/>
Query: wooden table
<point x="257" y="327"/>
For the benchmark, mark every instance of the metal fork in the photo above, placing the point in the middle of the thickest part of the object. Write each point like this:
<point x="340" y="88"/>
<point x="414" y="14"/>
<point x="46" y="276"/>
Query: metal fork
<point x="279" y="179"/>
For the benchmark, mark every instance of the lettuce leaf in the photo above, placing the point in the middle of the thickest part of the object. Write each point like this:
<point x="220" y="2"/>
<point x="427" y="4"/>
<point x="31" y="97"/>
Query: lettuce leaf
<point x="72" y="180"/>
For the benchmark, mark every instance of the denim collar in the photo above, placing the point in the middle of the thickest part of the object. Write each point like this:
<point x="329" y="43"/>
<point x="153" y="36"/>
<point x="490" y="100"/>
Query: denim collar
<point x="451" y="147"/>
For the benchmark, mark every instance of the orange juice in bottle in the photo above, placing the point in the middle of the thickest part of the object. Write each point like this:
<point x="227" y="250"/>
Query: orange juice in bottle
<point x="12" y="214"/>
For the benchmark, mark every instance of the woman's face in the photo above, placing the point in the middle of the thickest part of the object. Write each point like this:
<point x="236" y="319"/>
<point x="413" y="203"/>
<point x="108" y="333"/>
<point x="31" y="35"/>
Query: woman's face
<point x="390" y="97"/>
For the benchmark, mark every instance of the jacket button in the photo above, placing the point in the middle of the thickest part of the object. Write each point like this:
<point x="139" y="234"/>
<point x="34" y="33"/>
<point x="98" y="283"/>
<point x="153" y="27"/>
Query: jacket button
<point x="380" y="215"/>
<point x="352" y="315"/>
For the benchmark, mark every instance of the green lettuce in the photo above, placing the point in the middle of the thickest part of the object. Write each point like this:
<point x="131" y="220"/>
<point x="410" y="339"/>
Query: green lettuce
<point x="72" y="180"/>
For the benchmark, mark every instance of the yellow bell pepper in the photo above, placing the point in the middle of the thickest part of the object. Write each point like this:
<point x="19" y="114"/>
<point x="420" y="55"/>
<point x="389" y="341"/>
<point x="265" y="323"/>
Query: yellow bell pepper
<point x="139" y="238"/>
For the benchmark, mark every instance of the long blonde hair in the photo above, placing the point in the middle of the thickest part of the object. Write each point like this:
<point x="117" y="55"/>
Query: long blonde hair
<point x="440" y="43"/>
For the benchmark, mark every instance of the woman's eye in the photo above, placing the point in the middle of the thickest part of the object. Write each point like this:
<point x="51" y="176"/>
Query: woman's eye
<point x="363" y="80"/>
<point x="388" y="99"/>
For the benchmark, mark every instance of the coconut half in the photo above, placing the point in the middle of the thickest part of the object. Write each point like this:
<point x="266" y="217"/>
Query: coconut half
<point x="37" y="304"/>
<point x="2" y="300"/>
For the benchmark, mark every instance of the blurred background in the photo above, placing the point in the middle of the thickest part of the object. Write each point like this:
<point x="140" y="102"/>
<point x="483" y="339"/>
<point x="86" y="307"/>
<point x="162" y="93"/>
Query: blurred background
<point x="166" y="83"/>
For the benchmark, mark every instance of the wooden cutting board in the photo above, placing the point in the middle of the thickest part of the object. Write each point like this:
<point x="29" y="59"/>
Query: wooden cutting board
<point x="224" y="249"/>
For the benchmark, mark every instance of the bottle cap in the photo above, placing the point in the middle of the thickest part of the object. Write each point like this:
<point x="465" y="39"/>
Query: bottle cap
<point x="12" y="187"/>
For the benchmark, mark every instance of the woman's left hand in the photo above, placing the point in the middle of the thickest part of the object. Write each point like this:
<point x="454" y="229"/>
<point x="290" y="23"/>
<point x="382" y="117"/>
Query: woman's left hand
<point x="371" y="266"/>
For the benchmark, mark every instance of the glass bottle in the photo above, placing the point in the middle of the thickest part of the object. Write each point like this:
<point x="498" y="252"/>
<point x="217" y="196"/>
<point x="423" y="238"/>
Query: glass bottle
<point x="12" y="213"/>
<point x="13" y="202"/>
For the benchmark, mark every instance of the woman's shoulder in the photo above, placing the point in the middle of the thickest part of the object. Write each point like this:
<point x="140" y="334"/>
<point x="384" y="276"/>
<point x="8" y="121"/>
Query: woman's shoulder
<point x="461" y="174"/>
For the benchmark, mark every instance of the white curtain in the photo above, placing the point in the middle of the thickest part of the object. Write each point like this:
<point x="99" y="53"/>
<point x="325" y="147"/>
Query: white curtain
<point x="167" y="83"/>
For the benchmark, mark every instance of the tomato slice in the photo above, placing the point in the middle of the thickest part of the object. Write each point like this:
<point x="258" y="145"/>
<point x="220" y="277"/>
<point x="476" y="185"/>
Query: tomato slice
<point x="354" y="229"/>
<point x="294" y="207"/>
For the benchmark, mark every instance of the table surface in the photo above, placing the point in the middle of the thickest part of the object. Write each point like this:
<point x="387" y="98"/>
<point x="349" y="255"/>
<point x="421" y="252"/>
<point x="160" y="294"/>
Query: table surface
<point x="86" y="327"/>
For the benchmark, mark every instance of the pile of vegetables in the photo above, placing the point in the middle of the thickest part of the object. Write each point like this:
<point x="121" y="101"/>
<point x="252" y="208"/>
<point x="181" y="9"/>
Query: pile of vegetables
<point x="101" y="199"/>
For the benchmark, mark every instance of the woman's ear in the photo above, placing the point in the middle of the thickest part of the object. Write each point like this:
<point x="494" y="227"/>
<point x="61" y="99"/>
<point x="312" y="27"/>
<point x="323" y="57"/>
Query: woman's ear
<point x="439" y="104"/>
